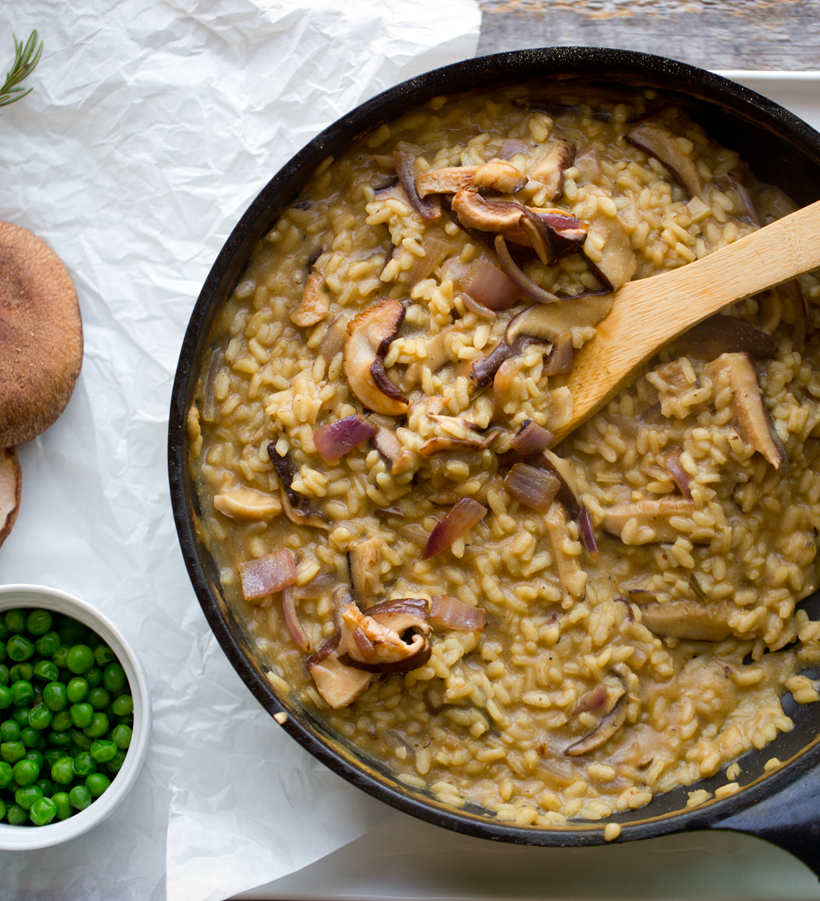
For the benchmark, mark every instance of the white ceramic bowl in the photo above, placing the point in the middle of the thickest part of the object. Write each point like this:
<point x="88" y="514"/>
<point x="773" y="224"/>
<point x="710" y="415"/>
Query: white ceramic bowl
<point x="28" y="838"/>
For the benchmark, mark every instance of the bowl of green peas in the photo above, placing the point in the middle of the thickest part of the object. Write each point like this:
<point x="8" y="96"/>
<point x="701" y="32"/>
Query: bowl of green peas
<point x="75" y="717"/>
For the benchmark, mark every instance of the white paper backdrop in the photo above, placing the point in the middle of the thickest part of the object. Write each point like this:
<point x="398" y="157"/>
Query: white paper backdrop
<point x="151" y="127"/>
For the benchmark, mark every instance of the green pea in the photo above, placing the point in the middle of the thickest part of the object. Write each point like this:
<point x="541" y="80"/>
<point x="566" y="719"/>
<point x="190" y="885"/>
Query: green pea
<point x="114" y="677"/>
<point x="80" y="659"/>
<point x="75" y="749"/>
<point x="4" y="632"/>
<point x="6" y="774"/>
<point x="20" y="716"/>
<point x="2" y="809"/>
<point x="121" y="736"/>
<point x="115" y="764"/>
<point x="26" y="772"/>
<point x="40" y="717"/>
<point x="80" y="797"/>
<point x="103" y="750"/>
<point x="9" y="731"/>
<point x="60" y="656"/>
<point x="12" y="787"/>
<point x="71" y="632"/>
<point x="38" y="622"/>
<point x="51" y="756"/>
<point x="19" y="671"/>
<point x="94" y="676"/>
<point x="12" y="751"/>
<point x="19" y="648"/>
<point x="16" y="815"/>
<point x="84" y="764"/>
<point x="104" y="655"/>
<point x="5" y="677"/>
<point x="43" y="811"/>
<point x="98" y="698"/>
<point x="61" y="740"/>
<point x="77" y="690"/>
<point x="27" y="795"/>
<point x="46" y="786"/>
<point x="97" y="783"/>
<point x="83" y="742"/>
<point x="6" y="697"/>
<point x="15" y="620"/>
<point x="47" y="644"/>
<point x="98" y="727"/>
<point x="30" y="737"/>
<point x="55" y="696"/>
<point x="63" y="771"/>
<point x="46" y="671"/>
<point x="63" y="804"/>
<point x="61" y="721"/>
<point x="22" y="693"/>
<point x="81" y="715"/>
<point x="3" y="652"/>
<point x="36" y="756"/>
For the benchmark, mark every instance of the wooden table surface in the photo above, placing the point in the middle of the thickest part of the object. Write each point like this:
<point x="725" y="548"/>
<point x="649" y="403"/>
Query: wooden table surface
<point x="714" y="34"/>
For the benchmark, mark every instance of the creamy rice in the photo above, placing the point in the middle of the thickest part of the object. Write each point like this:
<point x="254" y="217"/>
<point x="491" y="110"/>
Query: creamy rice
<point x="601" y="676"/>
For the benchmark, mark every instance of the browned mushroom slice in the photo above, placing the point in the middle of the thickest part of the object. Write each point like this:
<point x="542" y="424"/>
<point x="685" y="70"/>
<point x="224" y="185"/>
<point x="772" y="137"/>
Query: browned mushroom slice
<point x="653" y="518"/>
<point x="440" y="443"/>
<point x="549" y="170"/>
<point x="368" y="338"/>
<point x="402" y="614"/>
<point x="11" y="484"/>
<point x="483" y="369"/>
<point x="475" y="211"/>
<point x="559" y="360"/>
<point x="549" y="322"/>
<point x="689" y="619"/>
<point x="725" y="334"/>
<point x="609" y="701"/>
<point x="334" y="339"/>
<point x="589" y="163"/>
<point x="315" y="303"/>
<point x="338" y="684"/>
<point x="659" y="142"/>
<point x="749" y="407"/>
<point x="388" y="445"/>
<point x="364" y="560"/>
<point x="567" y="487"/>
<point x="571" y="576"/>
<point x="367" y="644"/>
<point x="445" y="181"/>
<point x="296" y="506"/>
<point x="618" y="261"/>
<point x="247" y="505"/>
<point x="405" y="170"/>
<point x="499" y="176"/>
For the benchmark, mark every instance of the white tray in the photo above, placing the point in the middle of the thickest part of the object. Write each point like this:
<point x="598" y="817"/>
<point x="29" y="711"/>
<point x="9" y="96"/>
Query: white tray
<point x="408" y="859"/>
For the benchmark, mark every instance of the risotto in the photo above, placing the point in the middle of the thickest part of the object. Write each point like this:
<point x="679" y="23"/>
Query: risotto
<point x="547" y="631"/>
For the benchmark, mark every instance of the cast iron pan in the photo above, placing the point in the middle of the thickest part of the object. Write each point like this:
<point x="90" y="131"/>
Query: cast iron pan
<point x="782" y="806"/>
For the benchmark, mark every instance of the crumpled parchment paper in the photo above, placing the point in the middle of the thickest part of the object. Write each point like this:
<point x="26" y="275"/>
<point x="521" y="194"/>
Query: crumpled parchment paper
<point x="152" y="125"/>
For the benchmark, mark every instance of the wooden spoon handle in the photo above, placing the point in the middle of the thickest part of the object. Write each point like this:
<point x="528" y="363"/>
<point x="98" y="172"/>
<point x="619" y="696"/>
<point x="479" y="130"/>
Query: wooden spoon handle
<point x="649" y="313"/>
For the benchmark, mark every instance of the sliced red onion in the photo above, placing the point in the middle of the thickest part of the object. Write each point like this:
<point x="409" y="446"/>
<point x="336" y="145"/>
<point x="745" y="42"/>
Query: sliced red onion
<point x="334" y="440"/>
<point x="559" y="362"/>
<point x="297" y="633"/>
<point x="268" y="574"/>
<point x="516" y="275"/>
<point x="511" y="146"/>
<point x="450" y="613"/>
<point x="426" y="207"/>
<point x="488" y="285"/>
<point x="532" y="487"/>
<point x="681" y="477"/>
<point x="478" y="308"/>
<point x="466" y="513"/>
<point x="531" y="439"/>
<point x="587" y="533"/>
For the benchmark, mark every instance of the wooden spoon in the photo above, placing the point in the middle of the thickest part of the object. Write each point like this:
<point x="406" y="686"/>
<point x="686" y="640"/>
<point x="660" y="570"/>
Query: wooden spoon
<point x="650" y="313"/>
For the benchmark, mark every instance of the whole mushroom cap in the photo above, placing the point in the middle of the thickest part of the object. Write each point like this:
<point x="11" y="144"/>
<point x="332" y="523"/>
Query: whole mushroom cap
<point x="41" y="336"/>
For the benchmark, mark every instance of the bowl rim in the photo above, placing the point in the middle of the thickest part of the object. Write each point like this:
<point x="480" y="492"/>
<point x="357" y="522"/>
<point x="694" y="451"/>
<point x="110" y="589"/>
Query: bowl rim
<point x="29" y="838"/>
<point x="455" y="78"/>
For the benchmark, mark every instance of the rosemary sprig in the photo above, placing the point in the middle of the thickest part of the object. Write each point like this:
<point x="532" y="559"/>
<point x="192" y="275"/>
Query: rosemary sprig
<point x="26" y="57"/>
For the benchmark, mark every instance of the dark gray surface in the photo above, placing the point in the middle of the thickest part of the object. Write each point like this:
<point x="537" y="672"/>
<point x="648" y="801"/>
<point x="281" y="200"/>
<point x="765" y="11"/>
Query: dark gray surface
<point x="714" y="34"/>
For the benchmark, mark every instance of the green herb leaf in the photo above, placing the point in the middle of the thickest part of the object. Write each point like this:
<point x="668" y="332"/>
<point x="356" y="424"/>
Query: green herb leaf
<point x="26" y="57"/>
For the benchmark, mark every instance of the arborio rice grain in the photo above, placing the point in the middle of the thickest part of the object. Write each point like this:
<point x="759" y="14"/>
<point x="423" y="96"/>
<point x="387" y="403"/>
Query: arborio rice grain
<point x="533" y="673"/>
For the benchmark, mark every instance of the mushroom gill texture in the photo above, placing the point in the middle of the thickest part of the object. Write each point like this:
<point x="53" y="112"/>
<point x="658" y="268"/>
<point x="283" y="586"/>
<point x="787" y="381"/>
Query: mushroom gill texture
<point x="369" y="645"/>
<point x="659" y="142"/>
<point x="368" y="338"/>
<point x="607" y="701"/>
<point x="247" y="505"/>
<point x="739" y="373"/>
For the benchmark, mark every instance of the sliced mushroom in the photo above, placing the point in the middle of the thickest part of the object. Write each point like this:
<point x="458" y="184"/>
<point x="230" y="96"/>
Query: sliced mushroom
<point x="609" y="701"/>
<point x="402" y="614"/>
<point x="618" y="262"/>
<point x="749" y="406"/>
<point x="497" y="176"/>
<point x="549" y="322"/>
<point x="659" y="142"/>
<point x="405" y="170"/>
<point x="725" y="334"/>
<point x="367" y="644"/>
<point x="296" y="506"/>
<point x="364" y="560"/>
<point x="549" y="170"/>
<point x="368" y="338"/>
<point x="653" y="517"/>
<point x="334" y="339"/>
<point x="589" y="163"/>
<point x="11" y="486"/>
<point x="567" y="493"/>
<point x="475" y="211"/>
<point x="315" y="303"/>
<point x="340" y="685"/>
<point x="571" y="576"/>
<point x="388" y="445"/>
<point x="689" y="619"/>
<point x="440" y="443"/>
<point x="246" y="505"/>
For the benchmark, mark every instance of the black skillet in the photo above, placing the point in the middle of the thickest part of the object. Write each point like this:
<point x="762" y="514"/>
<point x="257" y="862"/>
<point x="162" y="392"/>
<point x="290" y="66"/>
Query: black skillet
<point x="782" y="806"/>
